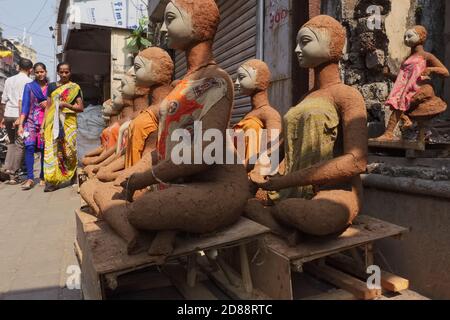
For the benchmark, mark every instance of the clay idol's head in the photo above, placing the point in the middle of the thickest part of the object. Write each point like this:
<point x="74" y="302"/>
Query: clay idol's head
<point x="117" y="100"/>
<point x="188" y="22"/>
<point x="153" y="66"/>
<point x="320" y="40"/>
<point x="128" y="86"/>
<point x="253" y="76"/>
<point x="415" y="36"/>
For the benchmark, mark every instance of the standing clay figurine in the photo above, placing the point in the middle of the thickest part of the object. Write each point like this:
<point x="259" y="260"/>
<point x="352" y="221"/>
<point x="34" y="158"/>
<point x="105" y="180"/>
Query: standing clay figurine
<point x="413" y="95"/>
<point x="325" y="144"/>
<point x="194" y="198"/>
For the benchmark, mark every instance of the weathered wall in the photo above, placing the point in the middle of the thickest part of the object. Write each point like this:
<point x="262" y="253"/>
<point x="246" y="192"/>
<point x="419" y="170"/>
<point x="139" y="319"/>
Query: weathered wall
<point x="369" y="51"/>
<point x="277" y="47"/>
<point x="422" y="256"/>
<point x="446" y="38"/>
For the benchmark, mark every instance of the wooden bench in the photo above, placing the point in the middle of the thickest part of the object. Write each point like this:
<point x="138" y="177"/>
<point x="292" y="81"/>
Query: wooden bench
<point x="274" y="262"/>
<point x="104" y="260"/>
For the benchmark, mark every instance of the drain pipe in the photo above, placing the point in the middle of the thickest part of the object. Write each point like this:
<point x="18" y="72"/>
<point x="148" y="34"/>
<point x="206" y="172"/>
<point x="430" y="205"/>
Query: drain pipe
<point x="440" y="189"/>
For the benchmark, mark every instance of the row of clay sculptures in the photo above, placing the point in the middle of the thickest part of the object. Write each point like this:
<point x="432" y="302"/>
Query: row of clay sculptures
<point x="140" y="191"/>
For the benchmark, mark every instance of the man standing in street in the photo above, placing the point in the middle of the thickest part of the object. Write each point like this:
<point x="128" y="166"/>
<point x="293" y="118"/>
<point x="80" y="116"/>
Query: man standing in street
<point x="10" y="108"/>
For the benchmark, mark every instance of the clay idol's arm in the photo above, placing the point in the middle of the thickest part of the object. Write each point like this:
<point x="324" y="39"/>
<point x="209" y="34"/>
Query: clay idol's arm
<point x="167" y="171"/>
<point x="354" y="159"/>
<point x="436" y="66"/>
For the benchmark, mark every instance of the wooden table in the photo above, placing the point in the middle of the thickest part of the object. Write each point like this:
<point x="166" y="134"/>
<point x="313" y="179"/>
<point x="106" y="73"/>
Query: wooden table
<point x="103" y="256"/>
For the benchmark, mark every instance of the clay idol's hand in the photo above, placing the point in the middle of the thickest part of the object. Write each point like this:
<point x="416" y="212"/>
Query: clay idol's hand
<point x="272" y="184"/>
<point x="128" y="188"/>
<point x="426" y="72"/>
<point x="120" y="179"/>
<point x="256" y="178"/>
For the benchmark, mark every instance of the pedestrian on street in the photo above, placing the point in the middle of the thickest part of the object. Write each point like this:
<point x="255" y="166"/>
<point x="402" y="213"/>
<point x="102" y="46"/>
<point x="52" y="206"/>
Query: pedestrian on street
<point x="11" y="105"/>
<point x="60" y="130"/>
<point x="34" y="103"/>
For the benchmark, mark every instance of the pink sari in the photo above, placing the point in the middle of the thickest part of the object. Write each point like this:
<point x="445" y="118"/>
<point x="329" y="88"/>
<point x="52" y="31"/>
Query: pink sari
<point x="406" y="85"/>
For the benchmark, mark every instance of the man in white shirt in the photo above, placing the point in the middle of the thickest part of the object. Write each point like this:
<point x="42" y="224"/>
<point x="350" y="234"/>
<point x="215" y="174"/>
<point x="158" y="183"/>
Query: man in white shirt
<point x="10" y="108"/>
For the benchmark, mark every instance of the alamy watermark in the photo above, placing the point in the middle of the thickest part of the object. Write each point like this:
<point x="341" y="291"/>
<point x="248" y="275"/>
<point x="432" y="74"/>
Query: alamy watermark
<point x="212" y="147"/>
<point x="374" y="21"/>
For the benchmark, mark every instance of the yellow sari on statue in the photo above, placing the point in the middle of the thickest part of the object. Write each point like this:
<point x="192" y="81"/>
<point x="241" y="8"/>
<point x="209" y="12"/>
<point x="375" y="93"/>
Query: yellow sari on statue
<point x="60" y="133"/>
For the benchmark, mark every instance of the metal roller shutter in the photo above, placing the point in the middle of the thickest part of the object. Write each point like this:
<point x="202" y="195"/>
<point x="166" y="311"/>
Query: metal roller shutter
<point x="235" y="43"/>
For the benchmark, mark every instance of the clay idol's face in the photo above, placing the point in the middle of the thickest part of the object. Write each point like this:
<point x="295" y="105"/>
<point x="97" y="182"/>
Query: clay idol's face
<point x="246" y="80"/>
<point x="313" y="48"/>
<point x="117" y="99"/>
<point x="107" y="108"/>
<point x="144" y="72"/>
<point x="412" y="38"/>
<point x="129" y="84"/>
<point x="179" y="27"/>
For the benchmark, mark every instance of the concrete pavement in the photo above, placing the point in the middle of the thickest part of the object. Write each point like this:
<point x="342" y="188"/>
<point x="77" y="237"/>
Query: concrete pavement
<point x="37" y="231"/>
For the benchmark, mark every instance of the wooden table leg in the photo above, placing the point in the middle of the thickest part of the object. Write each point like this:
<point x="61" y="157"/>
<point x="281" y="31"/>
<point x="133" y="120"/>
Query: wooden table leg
<point x="192" y="270"/>
<point x="245" y="269"/>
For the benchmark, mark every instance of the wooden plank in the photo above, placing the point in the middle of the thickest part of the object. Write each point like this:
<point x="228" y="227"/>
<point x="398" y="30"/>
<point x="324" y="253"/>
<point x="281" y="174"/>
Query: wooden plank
<point x="236" y="291"/>
<point x="141" y="281"/>
<point x="245" y="269"/>
<point x="364" y="230"/>
<point x="343" y="281"/>
<point x="177" y="276"/>
<point x="78" y="252"/>
<point x="271" y="272"/>
<point x="338" y="294"/>
<point x="110" y="254"/>
<point x="389" y="282"/>
<point x="406" y="295"/>
<point x="91" y="285"/>
<point x="401" y="144"/>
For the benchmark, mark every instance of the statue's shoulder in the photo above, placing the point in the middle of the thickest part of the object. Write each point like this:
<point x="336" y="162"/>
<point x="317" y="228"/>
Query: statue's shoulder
<point x="344" y="94"/>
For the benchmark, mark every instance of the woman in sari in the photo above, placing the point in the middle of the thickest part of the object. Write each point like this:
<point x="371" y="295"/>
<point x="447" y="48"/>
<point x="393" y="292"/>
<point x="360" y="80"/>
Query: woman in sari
<point x="65" y="100"/>
<point x="34" y="103"/>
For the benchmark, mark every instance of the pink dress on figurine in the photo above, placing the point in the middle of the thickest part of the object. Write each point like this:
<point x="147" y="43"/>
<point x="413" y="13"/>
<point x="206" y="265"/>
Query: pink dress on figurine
<point x="407" y="83"/>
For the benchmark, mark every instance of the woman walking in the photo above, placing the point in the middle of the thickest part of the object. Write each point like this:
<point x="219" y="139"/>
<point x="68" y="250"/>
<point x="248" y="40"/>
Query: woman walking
<point x="60" y="130"/>
<point x="34" y="103"/>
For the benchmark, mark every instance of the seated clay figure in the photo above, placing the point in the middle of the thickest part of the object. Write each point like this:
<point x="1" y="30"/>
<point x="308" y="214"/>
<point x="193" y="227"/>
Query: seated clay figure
<point x="254" y="80"/>
<point x="193" y="197"/>
<point x="132" y="108"/>
<point x="325" y="142"/>
<point x="413" y="94"/>
<point x="154" y="69"/>
<point x="111" y="111"/>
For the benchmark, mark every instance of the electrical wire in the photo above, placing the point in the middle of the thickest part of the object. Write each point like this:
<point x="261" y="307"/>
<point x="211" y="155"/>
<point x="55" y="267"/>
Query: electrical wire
<point x="32" y="33"/>
<point x="38" y="15"/>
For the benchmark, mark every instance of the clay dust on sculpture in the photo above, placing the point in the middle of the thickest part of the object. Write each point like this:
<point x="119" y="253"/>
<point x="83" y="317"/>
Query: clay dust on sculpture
<point x="190" y="198"/>
<point x="153" y="69"/>
<point x="413" y="95"/>
<point x="253" y="80"/>
<point x="325" y="141"/>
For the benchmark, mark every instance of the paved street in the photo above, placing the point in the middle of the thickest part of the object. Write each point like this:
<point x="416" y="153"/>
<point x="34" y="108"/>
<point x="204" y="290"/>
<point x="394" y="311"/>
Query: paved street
<point x="37" y="231"/>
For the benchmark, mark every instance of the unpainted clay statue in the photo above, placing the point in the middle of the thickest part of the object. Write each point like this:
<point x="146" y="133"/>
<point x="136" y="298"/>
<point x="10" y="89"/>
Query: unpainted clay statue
<point x="413" y="95"/>
<point x="135" y="99"/>
<point x="254" y="81"/>
<point x="194" y="198"/>
<point x="143" y="131"/>
<point x="325" y="145"/>
<point x="111" y="111"/>
<point x="154" y="69"/>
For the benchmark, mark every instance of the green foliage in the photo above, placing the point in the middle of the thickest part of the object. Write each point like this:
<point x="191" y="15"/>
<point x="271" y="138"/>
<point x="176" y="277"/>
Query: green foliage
<point x="138" y="40"/>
